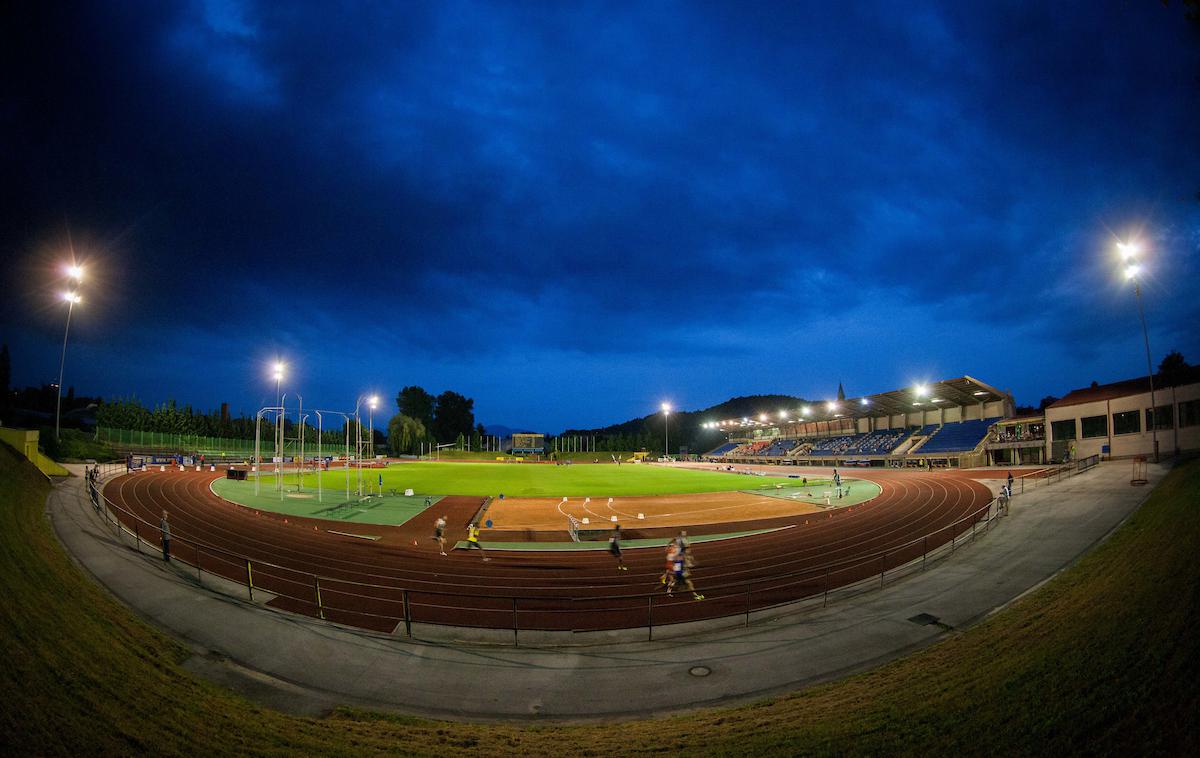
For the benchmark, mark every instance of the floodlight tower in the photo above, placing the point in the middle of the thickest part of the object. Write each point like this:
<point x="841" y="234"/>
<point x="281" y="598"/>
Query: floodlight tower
<point x="666" y="409"/>
<point x="277" y="374"/>
<point x="372" y="401"/>
<point x="75" y="275"/>
<point x="1129" y="252"/>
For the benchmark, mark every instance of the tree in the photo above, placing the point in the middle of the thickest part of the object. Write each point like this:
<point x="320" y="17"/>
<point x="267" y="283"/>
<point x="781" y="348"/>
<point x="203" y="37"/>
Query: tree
<point x="454" y="414"/>
<point x="416" y="403"/>
<point x="1173" y="369"/>
<point x="1048" y="400"/>
<point x="5" y="376"/>
<point x="405" y="434"/>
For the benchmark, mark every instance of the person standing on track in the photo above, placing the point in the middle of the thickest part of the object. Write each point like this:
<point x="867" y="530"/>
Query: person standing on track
<point x="614" y="547"/>
<point x="439" y="533"/>
<point x="473" y="540"/>
<point x="166" y="537"/>
<point x="1010" y="481"/>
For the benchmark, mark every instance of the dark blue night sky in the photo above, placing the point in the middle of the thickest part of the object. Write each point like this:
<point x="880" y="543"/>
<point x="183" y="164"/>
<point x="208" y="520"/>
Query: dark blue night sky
<point x="574" y="211"/>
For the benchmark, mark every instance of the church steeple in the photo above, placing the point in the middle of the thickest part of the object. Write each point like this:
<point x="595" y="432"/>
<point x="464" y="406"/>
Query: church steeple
<point x="841" y="392"/>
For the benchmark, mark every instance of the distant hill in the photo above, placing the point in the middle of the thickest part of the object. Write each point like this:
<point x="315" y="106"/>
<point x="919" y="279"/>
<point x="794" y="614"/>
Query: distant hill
<point x="499" y="430"/>
<point x="685" y="426"/>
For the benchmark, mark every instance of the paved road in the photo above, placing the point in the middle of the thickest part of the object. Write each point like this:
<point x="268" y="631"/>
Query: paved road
<point x="306" y="666"/>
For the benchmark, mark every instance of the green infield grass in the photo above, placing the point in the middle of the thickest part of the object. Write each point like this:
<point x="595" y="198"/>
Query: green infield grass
<point x="386" y="503"/>
<point x="535" y="480"/>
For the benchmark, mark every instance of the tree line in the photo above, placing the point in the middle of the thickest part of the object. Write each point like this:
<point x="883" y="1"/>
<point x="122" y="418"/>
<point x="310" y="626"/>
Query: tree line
<point x="424" y="420"/>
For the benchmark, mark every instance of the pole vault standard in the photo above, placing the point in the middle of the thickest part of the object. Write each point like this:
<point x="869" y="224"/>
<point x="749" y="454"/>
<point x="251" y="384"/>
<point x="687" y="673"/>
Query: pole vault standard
<point x="258" y="417"/>
<point x="321" y="455"/>
<point x="300" y="480"/>
<point x="279" y="444"/>
<point x="300" y="444"/>
<point x="372" y="401"/>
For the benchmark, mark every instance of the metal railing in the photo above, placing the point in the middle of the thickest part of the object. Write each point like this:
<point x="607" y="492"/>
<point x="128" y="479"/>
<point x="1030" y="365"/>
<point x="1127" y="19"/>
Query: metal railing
<point x="1053" y="474"/>
<point x="384" y="606"/>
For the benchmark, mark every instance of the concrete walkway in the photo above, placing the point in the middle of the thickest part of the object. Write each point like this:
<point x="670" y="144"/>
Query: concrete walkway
<point x="305" y="666"/>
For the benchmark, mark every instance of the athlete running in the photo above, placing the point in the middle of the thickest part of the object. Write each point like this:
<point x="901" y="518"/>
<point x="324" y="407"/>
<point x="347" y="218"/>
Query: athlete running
<point x="439" y="533"/>
<point x="614" y="547"/>
<point x="473" y="540"/>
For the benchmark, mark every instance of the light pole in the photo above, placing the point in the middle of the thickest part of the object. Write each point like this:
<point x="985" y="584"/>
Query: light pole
<point x="666" y="409"/>
<point x="277" y="375"/>
<point x="1133" y="271"/>
<point x="372" y="401"/>
<point x="75" y="274"/>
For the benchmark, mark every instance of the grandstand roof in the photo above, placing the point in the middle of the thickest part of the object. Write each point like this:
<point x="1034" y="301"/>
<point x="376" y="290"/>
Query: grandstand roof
<point x="964" y="390"/>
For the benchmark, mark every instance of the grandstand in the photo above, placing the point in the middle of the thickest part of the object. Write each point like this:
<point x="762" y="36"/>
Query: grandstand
<point x="958" y="437"/>
<point x="941" y="424"/>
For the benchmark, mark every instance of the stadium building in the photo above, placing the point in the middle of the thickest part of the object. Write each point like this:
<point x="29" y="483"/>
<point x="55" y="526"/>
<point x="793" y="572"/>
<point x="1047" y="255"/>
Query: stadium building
<point x="940" y="424"/>
<point x="963" y="422"/>
<point x="1120" y="420"/>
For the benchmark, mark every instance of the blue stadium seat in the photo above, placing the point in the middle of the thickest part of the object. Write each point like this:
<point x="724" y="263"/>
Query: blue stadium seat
<point x="958" y="437"/>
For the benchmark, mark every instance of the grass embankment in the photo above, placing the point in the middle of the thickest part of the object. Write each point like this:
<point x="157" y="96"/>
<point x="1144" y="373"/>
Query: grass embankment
<point x="1102" y="659"/>
<point x="74" y="446"/>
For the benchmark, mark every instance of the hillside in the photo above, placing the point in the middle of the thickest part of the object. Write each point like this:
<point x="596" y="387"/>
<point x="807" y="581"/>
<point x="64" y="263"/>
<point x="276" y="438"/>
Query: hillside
<point x="685" y="426"/>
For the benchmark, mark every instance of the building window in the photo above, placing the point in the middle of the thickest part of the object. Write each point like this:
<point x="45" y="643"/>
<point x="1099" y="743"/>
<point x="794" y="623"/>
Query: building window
<point x="1094" y="426"/>
<point x="1129" y="422"/>
<point x="1063" y="430"/>
<point x="1189" y="413"/>
<point x="1161" y="417"/>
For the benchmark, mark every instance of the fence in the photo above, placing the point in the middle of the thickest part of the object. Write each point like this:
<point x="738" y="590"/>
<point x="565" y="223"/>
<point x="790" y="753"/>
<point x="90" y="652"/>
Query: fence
<point x="1047" y="476"/>
<point x="134" y="439"/>
<point x="381" y="606"/>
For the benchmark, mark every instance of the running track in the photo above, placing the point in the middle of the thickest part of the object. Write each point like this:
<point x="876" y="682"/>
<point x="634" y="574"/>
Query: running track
<point x="362" y="583"/>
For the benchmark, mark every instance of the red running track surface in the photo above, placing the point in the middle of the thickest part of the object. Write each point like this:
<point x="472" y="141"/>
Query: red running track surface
<point x="363" y="583"/>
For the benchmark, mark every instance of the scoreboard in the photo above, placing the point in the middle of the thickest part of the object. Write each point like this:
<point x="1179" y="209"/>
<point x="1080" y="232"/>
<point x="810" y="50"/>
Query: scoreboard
<point x="529" y="443"/>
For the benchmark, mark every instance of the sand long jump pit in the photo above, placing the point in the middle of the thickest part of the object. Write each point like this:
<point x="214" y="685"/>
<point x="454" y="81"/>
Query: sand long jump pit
<point x="527" y="514"/>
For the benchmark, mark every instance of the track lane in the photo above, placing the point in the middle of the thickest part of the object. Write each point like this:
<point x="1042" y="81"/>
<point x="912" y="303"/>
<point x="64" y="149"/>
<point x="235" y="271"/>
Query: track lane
<point x="576" y="591"/>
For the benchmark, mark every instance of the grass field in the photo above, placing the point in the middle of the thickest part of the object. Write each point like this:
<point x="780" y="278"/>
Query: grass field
<point x="539" y="480"/>
<point x="1097" y="661"/>
<point x="389" y="509"/>
<point x="435" y="480"/>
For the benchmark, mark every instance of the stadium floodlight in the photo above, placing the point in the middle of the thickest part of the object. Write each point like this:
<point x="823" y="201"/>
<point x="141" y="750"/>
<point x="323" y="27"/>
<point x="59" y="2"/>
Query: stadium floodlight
<point x="277" y="374"/>
<point x="805" y="411"/>
<point x="865" y="401"/>
<point x="666" y="410"/>
<point x="831" y="406"/>
<point x="1133" y="273"/>
<point x="762" y="417"/>
<point x="922" y="390"/>
<point x="75" y="272"/>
